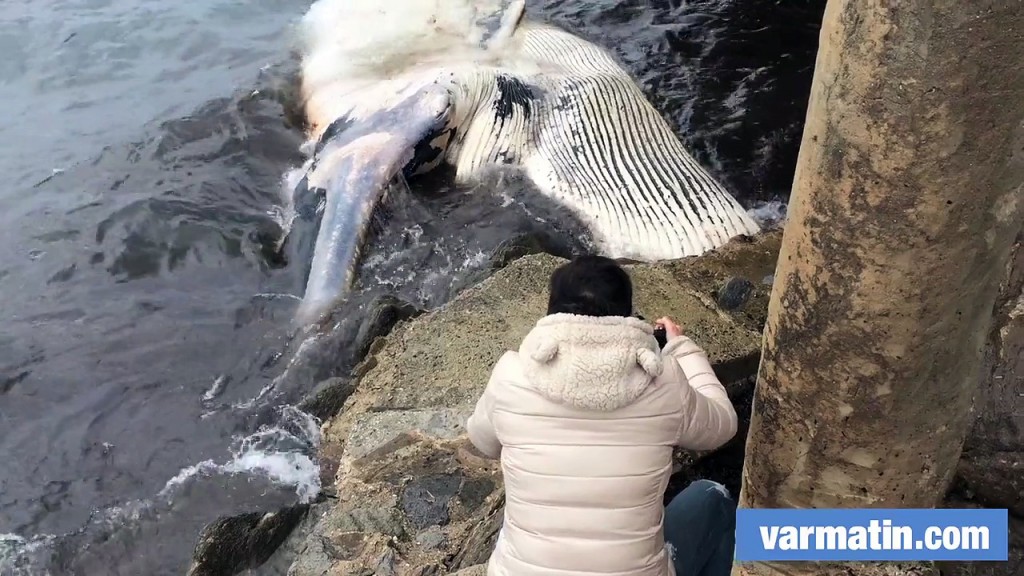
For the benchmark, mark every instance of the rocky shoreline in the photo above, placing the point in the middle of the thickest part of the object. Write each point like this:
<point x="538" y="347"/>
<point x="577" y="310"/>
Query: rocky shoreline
<point x="404" y="496"/>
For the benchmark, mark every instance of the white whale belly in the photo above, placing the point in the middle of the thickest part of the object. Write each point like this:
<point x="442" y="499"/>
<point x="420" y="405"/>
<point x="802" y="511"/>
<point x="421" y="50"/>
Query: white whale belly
<point x="591" y="140"/>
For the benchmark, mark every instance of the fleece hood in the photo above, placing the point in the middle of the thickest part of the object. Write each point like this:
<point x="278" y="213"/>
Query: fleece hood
<point x="593" y="363"/>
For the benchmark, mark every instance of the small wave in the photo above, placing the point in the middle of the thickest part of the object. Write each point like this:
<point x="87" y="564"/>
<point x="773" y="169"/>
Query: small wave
<point x="36" y="556"/>
<point x="410" y="238"/>
<point x="284" y="213"/>
<point x="307" y="345"/>
<point x="216" y="389"/>
<point x="276" y="296"/>
<point x="283" y="453"/>
<point x="475" y="260"/>
<point x="280" y="453"/>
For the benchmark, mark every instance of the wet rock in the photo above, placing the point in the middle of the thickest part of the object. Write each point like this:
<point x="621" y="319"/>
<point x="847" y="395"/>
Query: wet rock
<point x="327" y="399"/>
<point x="525" y="245"/>
<point x="230" y="545"/>
<point x="387" y="312"/>
<point x="735" y="293"/>
<point x="425" y="501"/>
<point x="297" y="544"/>
<point x="328" y="470"/>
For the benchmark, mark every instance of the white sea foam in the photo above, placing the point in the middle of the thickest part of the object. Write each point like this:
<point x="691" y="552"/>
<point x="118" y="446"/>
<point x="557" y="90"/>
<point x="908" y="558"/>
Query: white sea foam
<point x="276" y="296"/>
<point x="129" y="513"/>
<point x="287" y="468"/>
<point x="282" y="453"/>
<point x="23" y="556"/>
<point x="284" y="213"/>
<point x="215" y="389"/>
<point x="770" y="214"/>
<point x="475" y="260"/>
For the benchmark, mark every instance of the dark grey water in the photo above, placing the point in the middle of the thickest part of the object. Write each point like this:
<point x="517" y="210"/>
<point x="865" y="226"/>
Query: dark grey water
<point x="143" y="327"/>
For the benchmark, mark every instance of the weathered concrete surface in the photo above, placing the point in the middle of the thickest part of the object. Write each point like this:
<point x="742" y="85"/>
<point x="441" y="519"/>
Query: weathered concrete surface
<point x="906" y="202"/>
<point x="412" y="496"/>
<point x="887" y="280"/>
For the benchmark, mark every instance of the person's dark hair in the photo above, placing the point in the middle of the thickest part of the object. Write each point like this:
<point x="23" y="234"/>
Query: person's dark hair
<point x="591" y="286"/>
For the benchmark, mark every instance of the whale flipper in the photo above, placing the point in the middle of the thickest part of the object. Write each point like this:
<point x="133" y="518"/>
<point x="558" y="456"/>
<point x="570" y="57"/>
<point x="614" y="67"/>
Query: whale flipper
<point x="354" y="167"/>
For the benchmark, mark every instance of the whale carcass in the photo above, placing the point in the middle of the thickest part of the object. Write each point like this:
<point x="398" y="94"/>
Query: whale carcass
<point x="395" y="88"/>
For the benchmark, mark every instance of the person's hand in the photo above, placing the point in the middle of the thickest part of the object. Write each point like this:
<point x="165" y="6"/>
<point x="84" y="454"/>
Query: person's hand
<point x="671" y="328"/>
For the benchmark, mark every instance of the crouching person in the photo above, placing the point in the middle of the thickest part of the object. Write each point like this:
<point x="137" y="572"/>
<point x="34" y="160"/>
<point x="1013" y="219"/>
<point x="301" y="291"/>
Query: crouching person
<point x="584" y="417"/>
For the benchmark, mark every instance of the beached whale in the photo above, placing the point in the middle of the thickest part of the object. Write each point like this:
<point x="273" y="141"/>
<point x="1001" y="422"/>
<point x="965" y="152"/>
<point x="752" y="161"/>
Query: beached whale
<point x="394" y="88"/>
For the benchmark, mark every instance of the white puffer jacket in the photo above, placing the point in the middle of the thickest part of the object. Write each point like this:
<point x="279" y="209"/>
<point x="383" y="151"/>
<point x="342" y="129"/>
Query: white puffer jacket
<point x="584" y="417"/>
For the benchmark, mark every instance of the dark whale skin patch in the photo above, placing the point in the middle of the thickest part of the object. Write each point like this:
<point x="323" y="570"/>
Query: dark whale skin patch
<point x="513" y="93"/>
<point x="428" y="151"/>
<point x="340" y="125"/>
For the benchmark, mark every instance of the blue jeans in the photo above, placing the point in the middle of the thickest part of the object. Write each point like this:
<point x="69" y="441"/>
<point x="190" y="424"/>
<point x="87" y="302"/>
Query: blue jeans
<point x="700" y="530"/>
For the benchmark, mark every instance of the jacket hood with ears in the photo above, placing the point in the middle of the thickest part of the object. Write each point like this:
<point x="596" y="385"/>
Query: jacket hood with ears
<point x="593" y="363"/>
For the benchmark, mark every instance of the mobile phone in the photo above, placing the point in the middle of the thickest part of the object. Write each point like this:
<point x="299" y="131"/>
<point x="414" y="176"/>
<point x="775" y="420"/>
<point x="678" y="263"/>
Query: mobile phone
<point x="660" y="336"/>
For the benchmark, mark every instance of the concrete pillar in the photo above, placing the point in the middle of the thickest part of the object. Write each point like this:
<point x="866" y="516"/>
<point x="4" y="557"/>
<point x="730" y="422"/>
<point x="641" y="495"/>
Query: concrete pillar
<point x="905" y="204"/>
